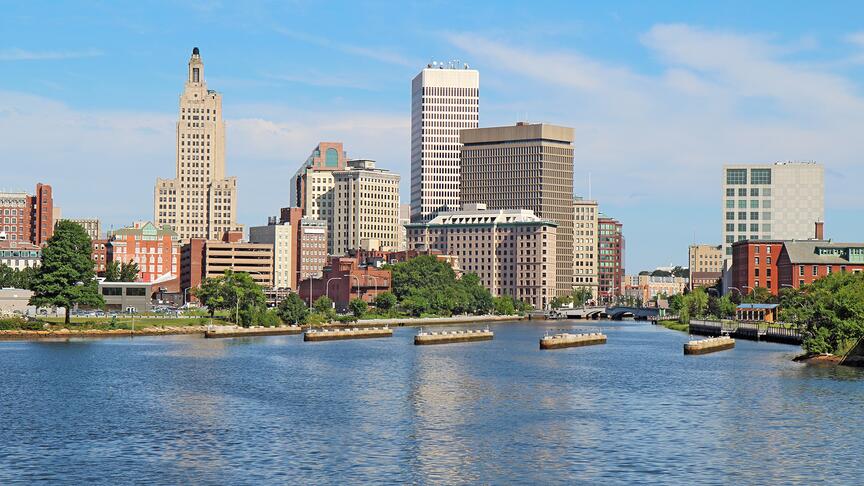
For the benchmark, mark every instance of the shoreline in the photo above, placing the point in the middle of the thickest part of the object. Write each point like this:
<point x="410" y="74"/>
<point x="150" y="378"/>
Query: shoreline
<point x="29" y="335"/>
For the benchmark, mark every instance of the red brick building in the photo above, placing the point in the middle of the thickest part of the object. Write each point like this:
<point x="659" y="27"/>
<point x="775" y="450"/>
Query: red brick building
<point x="610" y="258"/>
<point x="25" y="217"/>
<point x="201" y="259"/>
<point x="155" y="250"/>
<point x="802" y="262"/>
<point x="100" y="255"/>
<point x="344" y="279"/>
<point x="754" y="264"/>
<point x="310" y="240"/>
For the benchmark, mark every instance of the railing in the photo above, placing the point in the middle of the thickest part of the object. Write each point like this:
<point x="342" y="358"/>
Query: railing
<point x="779" y="332"/>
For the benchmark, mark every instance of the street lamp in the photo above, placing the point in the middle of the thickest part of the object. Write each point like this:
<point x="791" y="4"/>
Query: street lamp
<point x="327" y="290"/>
<point x="349" y="284"/>
<point x="185" y="297"/>
<point x="310" y="287"/>
<point x="374" y="282"/>
<point x="736" y="288"/>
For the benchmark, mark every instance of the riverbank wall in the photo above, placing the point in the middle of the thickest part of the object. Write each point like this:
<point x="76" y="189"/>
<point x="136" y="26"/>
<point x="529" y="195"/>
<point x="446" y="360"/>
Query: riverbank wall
<point x="13" y="335"/>
<point x="753" y="331"/>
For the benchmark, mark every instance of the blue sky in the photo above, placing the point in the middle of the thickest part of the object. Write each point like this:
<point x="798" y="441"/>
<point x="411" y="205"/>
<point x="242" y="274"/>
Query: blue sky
<point x="661" y="94"/>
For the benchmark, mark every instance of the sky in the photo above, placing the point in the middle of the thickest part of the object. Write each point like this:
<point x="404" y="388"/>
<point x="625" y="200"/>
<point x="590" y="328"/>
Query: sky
<point x="661" y="95"/>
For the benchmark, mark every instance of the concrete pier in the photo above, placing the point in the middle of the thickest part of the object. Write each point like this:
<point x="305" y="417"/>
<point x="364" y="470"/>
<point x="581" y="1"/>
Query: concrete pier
<point x="447" y="337"/>
<point x="352" y="333"/>
<point x="568" y="340"/>
<point x="233" y="331"/>
<point x="710" y="345"/>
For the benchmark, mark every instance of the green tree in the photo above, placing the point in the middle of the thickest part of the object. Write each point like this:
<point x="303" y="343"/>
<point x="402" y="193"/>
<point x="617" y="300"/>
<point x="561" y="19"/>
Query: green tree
<point x="681" y="272"/>
<point x="211" y="294"/>
<point x="358" y="307"/>
<point x="324" y="307"/>
<point x="129" y="272"/>
<point x="759" y="295"/>
<point x="385" y="301"/>
<point x="422" y="272"/>
<point x="235" y="292"/>
<point x="479" y="298"/>
<point x="415" y="305"/>
<point x="504" y="305"/>
<point x="293" y="310"/>
<point x="112" y="272"/>
<point x="581" y="295"/>
<point x="65" y="276"/>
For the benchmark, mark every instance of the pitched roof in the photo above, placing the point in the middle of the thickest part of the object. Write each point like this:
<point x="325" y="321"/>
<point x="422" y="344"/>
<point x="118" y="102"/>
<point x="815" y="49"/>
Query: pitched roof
<point x="804" y="252"/>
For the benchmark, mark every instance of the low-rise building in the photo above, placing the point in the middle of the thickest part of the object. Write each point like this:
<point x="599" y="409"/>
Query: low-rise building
<point x="803" y="262"/>
<point x="512" y="250"/>
<point x="201" y="259"/>
<point x="19" y="254"/>
<point x="647" y="287"/>
<point x="754" y="264"/>
<point x="704" y="279"/>
<point x="155" y="250"/>
<point x="126" y="296"/>
<point x="100" y="255"/>
<point x="345" y="279"/>
<point x="14" y="301"/>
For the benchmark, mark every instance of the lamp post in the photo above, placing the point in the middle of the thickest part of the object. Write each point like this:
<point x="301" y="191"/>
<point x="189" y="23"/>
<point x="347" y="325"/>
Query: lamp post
<point x="327" y="290"/>
<point x="349" y="284"/>
<point x="185" y="297"/>
<point x="299" y="272"/>
<point x="374" y="282"/>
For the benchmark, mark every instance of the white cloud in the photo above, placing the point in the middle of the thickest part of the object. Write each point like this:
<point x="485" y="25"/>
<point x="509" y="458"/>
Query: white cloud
<point x="15" y="54"/>
<point x="379" y="54"/>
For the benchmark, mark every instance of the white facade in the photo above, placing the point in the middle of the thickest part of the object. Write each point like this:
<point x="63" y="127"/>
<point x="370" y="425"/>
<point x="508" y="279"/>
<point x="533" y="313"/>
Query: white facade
<point x="280" y="236"/>
<point x="444" y="100"/>
<point x="200" y="202"/>
<point x="781" y="201"/>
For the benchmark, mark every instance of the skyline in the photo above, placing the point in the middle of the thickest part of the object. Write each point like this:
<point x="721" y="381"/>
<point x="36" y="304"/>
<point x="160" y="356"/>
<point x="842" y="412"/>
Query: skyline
<point x="664" y="99"/>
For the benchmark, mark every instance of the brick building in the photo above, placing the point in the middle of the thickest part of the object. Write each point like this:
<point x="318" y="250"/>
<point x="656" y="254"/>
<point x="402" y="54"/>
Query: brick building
<point x="201" y="259"/>
<point x="155" y="250"/>
<point x="310" y="239"/>
<point x="27" y="217"/>
<point x="345" y="279"/>
<point x="100" y="255"/>
<point x="754" y="264"/>
<point x="802" y="262"/>
<point x="610" y="258"/>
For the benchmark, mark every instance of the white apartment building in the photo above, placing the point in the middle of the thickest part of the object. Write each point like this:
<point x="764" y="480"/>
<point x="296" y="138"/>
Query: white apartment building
<point x="366" y="208"/>
<point x="585" y="214"/>
<point x="200" y="202"/>
<point x="512" y="250"/>
<point x="780" y="201"/>
<point x="281" y="237"/>
<point x="444" y="100"/>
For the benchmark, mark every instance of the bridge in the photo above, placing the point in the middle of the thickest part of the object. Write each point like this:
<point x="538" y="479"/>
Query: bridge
<point x="597" y="312"/>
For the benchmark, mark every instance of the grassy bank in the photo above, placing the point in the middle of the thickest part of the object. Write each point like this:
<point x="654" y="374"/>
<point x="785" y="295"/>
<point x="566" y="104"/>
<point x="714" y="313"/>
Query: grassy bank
<point x="103" y="323"/>
<point x="674" y="325"/>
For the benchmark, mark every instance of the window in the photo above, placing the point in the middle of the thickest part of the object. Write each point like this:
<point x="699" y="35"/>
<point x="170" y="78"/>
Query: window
<point x="754" y="191"/>
<point x="742" y="192"/>
<point x="112" y="291"/>
<point x="760" y="176"/>
<point x="815" y="270"/>
<point x="730" y="192"/>
<point x="730" y="226"/>
<point x="766" y="204"/>
<point x="730" y="215"/>
<point x="742" y="204"/>
<point x="754" y="204"/>
<point x="768" y="260"/>
<point x="801" y="270"/>
<point x="730" y="203"/>
<point x="736" y="176"/>
<point x="742" y="227"/>
<point x="768" y="250"/>
<point x="754" y="215"/>
<point x="742" y="214"/>
<point x="756" y="250"/>
<point x="136" y="291"/>
<point x="828" y="269"/>
<point x="800" y="282"/>
<point x="756" y="260"/>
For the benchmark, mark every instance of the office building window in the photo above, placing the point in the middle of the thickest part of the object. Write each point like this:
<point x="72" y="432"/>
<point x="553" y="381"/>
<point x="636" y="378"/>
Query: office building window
<point x="736" y="176"/>
<point x="760" y="176"/>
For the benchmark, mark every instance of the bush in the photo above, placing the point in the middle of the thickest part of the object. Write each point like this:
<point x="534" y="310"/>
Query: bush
<point x="358" y="307"/>
<point x="18" y="323"/>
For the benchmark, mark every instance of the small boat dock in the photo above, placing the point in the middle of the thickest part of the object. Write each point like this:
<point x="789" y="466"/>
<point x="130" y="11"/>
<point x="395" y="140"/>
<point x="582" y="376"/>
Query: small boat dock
<point x="571" y="340"/>
<point x="448" y="337"/>
<point x="235" y="331"/>
<point x="350" y="333"/>
<point x="709" y="345"/>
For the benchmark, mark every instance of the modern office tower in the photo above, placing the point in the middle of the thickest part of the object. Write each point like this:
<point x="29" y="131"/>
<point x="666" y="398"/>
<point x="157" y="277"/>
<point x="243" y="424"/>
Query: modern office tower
<point x="404" y="218"/>
<point x="444" y="99"/>
<point x="92" y="226"/>
<point x="282" y="237"/>
<point x="780" y="201"/>
<point x="511" y="250"/>
<point x="359" y="202"/>
<point x="200" y="202"/>
<point x="610" y="255"/>
<point x="27" y="217"/>
<point x="155" y="250"/>
<point x="366" y="205"/>
<point x="585" y="216"/>
<point x="524" y="166"/>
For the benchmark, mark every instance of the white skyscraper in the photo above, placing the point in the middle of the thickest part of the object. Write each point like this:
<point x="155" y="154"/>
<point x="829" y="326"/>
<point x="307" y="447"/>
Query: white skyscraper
<point x="444" y="100"/>
<point x="781" y="201"/>
<point x="200" y="202"/>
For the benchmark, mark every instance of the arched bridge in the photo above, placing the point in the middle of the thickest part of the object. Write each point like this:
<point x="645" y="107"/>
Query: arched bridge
<point x="616" y="313"/>
<point x="638" y="313"/>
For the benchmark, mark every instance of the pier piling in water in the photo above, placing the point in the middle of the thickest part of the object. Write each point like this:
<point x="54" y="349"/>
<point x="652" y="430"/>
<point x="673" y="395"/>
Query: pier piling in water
<point x="447" y="337"/>
<point x="230" y="332"/>
<point x="352" y="333"/>
<point x="710" y="345"/>
<point x="569" y="340"/>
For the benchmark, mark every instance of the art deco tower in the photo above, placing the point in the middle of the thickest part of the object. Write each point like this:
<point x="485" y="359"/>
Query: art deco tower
<point x="200" y="202"/>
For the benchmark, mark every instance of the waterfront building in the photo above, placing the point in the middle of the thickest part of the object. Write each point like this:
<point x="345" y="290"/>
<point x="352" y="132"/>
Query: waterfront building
<point x="525" y="166"/>
<point x="803" y="262"/>
<point x="445" y="98"/>
<point x="283" y="239"/>
<point x="366" y="203"/>
<point x="778" y="201"/>
<point x="585" y="232"/>
<point x="610" y="256"/>
<point x="513" y="251"/>
<point x="201" y="259"/>
<point x="706" y="265"/>
<point x="27" y="217"/>
<point x="156" y="250"/>
<point x="92" y="226"/>
<point x="127" y="296"/>
<point x="345" y="279"/>
<point x="200" y="202"/>
<point x="754" y="264"/>
<point x="19" y="255"/>
<point x="647" y="287"/>
<point x="310" y="244"/>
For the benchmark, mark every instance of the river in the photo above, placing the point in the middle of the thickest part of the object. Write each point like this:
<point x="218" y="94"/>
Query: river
<point x="276" y="410"/>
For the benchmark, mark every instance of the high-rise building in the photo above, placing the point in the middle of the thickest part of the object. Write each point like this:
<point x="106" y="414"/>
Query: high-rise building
<point x="610" y="256"/>
<point x="524" y="166"/>
<point x="585" y="214"/>
<point x="200" y="202"/>
<point x="366" y="202"/>
<point x="445" y="98"/>
<point x="359" y="202"/>
<point x="309" y="237"/>
<point x="404" y="218"/>
<point x="27" y="217"/>
<point x="511" y="250"/>
<point x="780" y="201"/>
<point x="92" y="226"/>
<point x="282" y="237"/>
